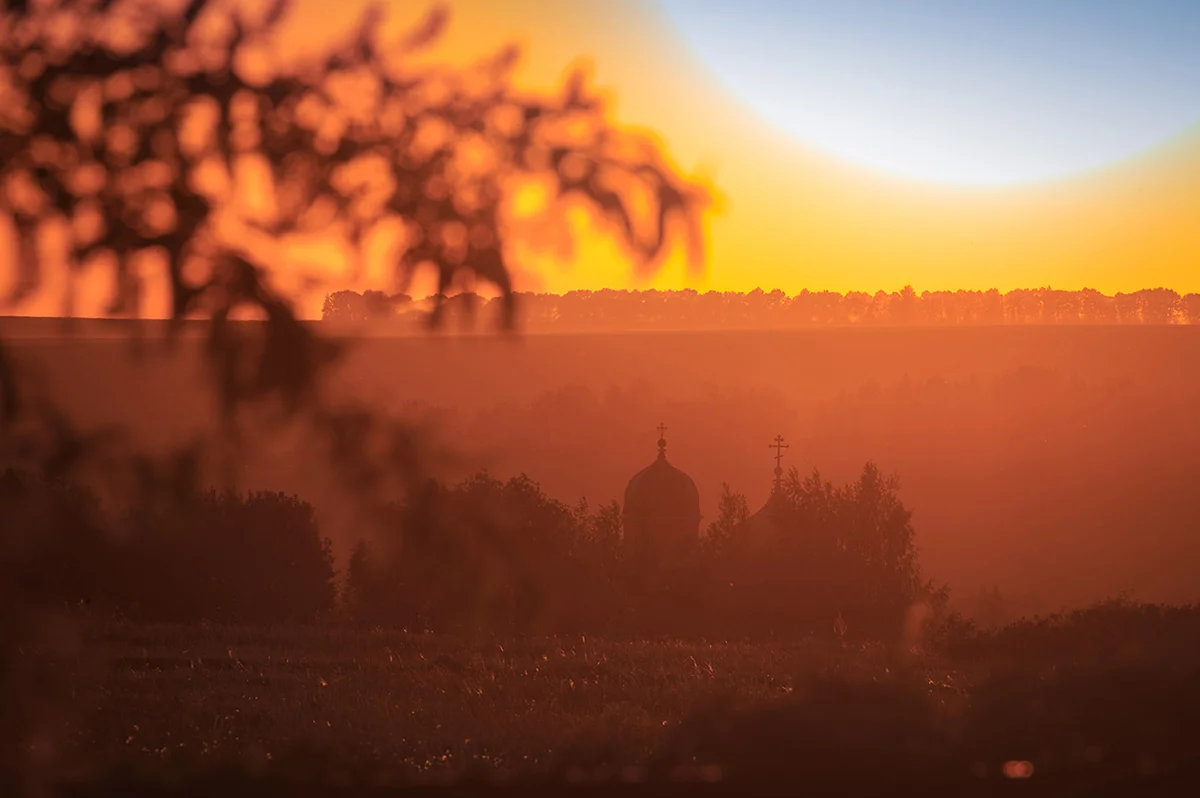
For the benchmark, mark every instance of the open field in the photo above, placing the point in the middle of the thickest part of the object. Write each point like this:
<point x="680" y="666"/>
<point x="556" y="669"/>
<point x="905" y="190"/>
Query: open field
<point x="166" y="701"/>
<point x="420" y="702"/>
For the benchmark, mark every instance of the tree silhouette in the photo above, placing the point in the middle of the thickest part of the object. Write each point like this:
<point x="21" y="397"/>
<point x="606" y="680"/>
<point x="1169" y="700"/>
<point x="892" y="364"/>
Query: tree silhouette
<point x="127" y="129"/>
<point x="687" y="309"/>
<point x="129" y="125"/>
<point x="258" y="559"/>
<point x="732" y="511"/>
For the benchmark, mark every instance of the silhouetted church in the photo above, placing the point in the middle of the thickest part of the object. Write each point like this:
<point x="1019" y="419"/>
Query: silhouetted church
<point x="767" y="522"/>
<point x="662" y="505"/>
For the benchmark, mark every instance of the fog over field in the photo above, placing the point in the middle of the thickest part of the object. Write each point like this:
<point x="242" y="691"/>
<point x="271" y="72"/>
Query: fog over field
<point x="1057" y="463"/>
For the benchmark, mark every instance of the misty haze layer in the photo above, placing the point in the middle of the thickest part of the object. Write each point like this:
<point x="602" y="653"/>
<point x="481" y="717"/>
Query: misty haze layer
<point x="1018" y="449"/>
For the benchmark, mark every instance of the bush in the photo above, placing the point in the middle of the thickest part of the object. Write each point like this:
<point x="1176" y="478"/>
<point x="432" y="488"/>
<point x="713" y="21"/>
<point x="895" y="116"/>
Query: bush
<point x="230" y="558"/>
<point x="68" y="553"/>
<point x="492" y="556"/>
<point x="502" y="556"/>
<point x="487" y="555"/>
<point x="1115" y="629"/>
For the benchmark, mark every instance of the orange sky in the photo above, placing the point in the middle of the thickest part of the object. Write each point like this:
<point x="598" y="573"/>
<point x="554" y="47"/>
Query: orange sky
<point x="792" y="218"/>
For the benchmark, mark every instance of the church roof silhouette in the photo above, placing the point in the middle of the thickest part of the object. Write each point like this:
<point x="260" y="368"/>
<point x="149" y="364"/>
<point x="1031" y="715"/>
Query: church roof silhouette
<point x="765" y="522"/>
<point x="662" y="492"/>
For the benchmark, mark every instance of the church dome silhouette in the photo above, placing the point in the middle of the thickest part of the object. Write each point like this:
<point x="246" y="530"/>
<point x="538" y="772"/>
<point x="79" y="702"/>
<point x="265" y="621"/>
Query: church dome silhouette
<point x="767" y="523"/>
<point x="662" y="504"/>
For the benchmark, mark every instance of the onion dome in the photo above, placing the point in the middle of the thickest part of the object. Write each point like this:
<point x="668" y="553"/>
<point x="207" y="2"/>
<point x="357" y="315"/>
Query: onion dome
<point x="661" y="502"/>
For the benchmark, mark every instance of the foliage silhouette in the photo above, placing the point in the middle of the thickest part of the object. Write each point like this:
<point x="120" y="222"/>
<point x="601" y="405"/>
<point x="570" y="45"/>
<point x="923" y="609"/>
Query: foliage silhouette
<point x="818" y="558"/>
<point x="484" y="557"/>
<point x="217" y="557"/>
<point x="68" y="541"/>
<point x="131" y="123"/>
<point x="489" y="557"/>
<point x="617" y="309"/>
<point x="254" y="559"/>
<point x="351" y="306"/>
<point x="123" y="128"/>
<point x="1117" y="628"/>
<point x="498" y="557"/>
<point x="732" y="511"/>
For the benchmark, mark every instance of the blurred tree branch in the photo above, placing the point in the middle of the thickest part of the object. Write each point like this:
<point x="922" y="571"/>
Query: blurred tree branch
<point x="133" y="129"/>
<point x="130" y="127"/>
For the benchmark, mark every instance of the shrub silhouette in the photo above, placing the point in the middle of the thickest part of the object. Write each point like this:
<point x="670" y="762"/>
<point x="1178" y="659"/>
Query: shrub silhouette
<point x="1116" y="630"/>
<point x="820" y="555"/>
<point x="487" y="555"/>
<point x="224" y="557"/>
<point x="96" y="135"/>
<point x="58" y="529"/>
<point x="495" y="556"/>
<point x="219" y="556"/>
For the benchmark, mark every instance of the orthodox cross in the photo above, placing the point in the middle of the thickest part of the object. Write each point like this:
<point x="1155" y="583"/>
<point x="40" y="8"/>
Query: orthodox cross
<point x="662" y="430"/>
<point x="778" y="446"/>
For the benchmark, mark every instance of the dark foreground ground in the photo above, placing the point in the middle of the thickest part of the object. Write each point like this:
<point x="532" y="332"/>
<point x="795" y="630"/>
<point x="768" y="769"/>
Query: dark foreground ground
<point x="142" y="710"/>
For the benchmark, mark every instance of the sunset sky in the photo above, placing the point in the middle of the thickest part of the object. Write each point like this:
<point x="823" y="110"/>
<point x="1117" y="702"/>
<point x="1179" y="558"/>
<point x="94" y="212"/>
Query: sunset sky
<point x="1092" y="108"/>
<point x="879" y="143"/>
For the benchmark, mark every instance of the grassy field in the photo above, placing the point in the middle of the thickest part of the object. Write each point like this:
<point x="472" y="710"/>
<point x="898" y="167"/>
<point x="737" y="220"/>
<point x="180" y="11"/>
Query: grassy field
<point x="423" y="703"/>
<point x="326" y="705"/>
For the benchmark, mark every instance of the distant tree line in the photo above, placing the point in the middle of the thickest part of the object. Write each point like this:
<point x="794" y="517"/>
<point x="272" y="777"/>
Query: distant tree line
<point x="485" y="556"/>
<point x="689" y="309"/>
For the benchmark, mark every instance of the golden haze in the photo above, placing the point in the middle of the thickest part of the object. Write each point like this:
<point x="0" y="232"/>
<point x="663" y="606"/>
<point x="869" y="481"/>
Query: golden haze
<point x="788" y="217"/>
<point x="792" y="219"/>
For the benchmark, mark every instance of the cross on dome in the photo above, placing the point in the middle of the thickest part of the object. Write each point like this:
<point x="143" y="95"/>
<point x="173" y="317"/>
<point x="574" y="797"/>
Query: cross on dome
<point x="661" y="510"/>
<point x="778" y="446"/>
